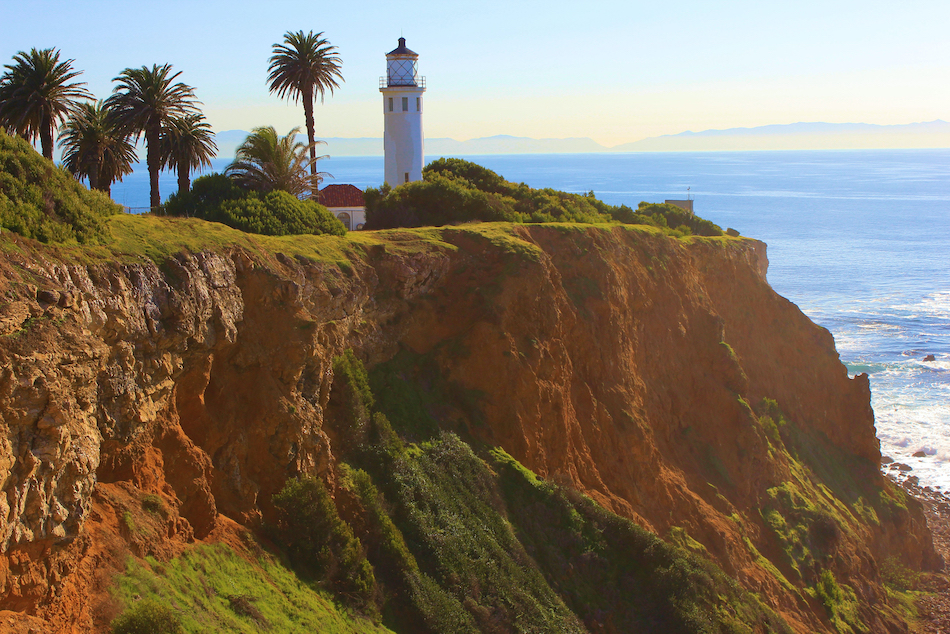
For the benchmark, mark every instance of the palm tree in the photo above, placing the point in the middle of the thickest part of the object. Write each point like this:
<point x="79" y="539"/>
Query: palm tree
<point x="94" y="148"/>
<point x="145" y="100"/>
<point x="300" y="68"/>
<point x="36" y="95"/>
<point x="187" y="144"/>
<point x="265" y="162"/>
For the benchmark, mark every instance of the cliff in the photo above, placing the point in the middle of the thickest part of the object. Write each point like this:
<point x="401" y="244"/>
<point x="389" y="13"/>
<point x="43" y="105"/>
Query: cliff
<point x="660" y="377"/>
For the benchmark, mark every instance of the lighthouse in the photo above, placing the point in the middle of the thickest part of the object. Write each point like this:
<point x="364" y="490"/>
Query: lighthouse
<point x="402" y="90"/>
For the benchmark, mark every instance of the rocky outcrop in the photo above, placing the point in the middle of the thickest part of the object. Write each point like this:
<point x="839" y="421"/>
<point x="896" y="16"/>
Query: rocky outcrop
<point x="618" y="360"/>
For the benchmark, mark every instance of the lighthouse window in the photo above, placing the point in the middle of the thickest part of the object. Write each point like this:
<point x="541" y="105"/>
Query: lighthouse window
<point x="390" y="104"/>
<point x="405" y="104"/>
<point x="407" y="177"/>
<point x="418" y="104"/>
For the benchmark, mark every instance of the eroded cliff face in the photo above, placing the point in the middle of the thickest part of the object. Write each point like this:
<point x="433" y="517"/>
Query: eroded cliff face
<point x="623" y="362"/>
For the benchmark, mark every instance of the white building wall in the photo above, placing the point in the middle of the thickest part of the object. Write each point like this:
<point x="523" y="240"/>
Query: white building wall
<point x="357" y="216"/>
<point x="403" y="141"/>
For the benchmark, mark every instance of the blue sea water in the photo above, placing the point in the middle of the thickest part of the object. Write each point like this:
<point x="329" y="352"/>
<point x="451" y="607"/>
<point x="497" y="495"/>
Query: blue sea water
<point x="858" y="239"/>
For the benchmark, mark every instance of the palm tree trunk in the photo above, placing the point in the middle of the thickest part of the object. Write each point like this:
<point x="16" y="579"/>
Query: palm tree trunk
<point x="154" y="164"/>
<point x="46" y="138"/>
<point x="311" y="137"/>
<point x="184" y="178"/>
<point x="94" y="176"/>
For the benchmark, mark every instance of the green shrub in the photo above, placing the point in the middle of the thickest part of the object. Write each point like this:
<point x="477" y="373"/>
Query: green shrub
<point x="897" y="576"/>
<point x="278" y="214"/>
<point x="147" y="617"/>
<point x="205" y="197"/>
<point x="351" y="402"/>
<point x="129" y="522"/>
<point x="349" y="369"/>
<point x="41" y="201"/>
<point x="455" y="191"/>
<point x="392" y="544"/>
<point x="154" y="504"/>
<point x="319" y="542"/>
<point x="438" y="200"/>
<point x="677" y="219"/>
<point x="605" y="564"/>
<point x="452" y="516"/>
<point x="216" y="198"/>
<point x="479" y="177"/>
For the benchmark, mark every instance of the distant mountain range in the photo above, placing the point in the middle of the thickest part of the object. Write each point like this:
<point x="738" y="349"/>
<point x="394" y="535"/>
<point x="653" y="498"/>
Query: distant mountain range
<point x="800" y="136"/>
<point x="793" y="136"/>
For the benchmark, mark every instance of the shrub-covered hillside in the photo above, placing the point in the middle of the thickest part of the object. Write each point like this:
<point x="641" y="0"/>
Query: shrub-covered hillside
<point x="41" y="201"/>
<point x="456" y="537"/>
<point x="455" y="191"/>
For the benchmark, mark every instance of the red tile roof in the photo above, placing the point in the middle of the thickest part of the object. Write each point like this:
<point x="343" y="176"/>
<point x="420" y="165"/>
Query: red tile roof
<point x="341" y="196"/>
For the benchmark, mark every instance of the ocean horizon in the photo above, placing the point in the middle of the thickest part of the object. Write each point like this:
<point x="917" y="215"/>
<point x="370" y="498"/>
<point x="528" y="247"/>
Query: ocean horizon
<point x="856" y="238"/>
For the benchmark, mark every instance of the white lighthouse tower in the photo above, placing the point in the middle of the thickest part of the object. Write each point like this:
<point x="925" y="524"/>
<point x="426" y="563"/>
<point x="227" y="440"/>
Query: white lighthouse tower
<point x="402" y="90"/>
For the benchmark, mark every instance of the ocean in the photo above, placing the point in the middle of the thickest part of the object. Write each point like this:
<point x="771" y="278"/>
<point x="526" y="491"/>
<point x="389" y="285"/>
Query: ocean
<point x="858" y="239"/>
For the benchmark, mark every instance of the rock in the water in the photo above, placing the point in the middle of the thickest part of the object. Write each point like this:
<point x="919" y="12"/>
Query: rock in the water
<point x="920" y="454"/>
<point x="886" y="460"/>
<point x="900" y="466"/>
<point x="930" y="357"/>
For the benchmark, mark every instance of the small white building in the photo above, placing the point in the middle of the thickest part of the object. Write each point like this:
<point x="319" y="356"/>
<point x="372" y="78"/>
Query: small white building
<point x="346" y="202"/>
<point x="402" y="90"/>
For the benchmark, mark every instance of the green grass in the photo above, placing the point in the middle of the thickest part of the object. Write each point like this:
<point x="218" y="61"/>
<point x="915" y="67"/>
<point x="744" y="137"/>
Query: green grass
<point x="213" y="589"/>
<point x="840" y="602"/>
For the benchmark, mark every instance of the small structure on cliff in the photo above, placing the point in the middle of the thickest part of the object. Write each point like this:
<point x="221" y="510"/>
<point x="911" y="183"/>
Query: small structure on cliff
<point x="402" y="90"/>
<point x="346" y="202"/>
<point x="686" y="205"/>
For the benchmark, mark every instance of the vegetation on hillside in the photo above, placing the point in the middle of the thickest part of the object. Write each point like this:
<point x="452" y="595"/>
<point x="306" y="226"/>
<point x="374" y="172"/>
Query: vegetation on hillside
<point x="463" y="538"/>
<point x="217" y="198"/>
<point x="41" y="201"/>
<point x="212" y="588"/>
<point x="454" y="191"/>
<point x="320" y="544"/>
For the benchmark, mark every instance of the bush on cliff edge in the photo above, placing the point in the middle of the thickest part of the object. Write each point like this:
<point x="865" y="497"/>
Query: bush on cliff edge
<point x="454" y="191"/>
<point x="215" y="197"/>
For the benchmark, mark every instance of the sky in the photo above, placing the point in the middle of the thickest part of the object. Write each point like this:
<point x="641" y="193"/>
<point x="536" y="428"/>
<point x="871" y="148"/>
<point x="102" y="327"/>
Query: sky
<point x="612" y="71"/>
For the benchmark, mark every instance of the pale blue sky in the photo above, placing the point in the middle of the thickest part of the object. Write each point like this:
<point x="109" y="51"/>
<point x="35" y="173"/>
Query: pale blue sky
<point x="612" y="71"/>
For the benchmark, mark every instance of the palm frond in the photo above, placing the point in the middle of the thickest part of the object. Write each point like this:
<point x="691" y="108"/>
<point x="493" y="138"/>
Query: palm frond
<point x="188" y="141"/>
<point x="147" y="97"/>
<point x="37" y="93"/>
<point x="303" y="66"/>
<point x="266" y="161"/>
<point x="94" y="148"/>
